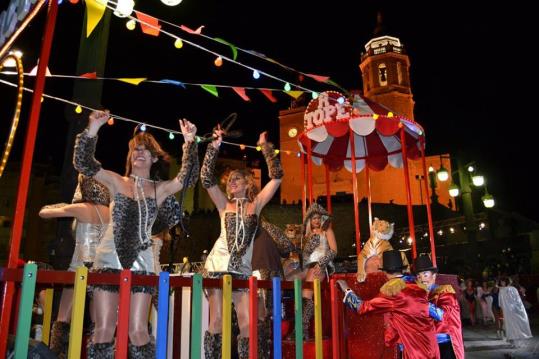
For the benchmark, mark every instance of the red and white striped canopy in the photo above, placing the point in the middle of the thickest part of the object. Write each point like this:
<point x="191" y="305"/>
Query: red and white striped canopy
<point x="376" y="136"/>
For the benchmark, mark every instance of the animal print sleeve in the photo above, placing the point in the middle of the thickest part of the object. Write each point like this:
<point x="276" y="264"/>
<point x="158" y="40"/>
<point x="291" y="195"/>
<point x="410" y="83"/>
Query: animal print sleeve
<point x="83" y="155"/>
<point x="207" y="173"/>
<point x="324" y="261"/>
<point x="275" y="170"/>
<point x="188" y="174"/>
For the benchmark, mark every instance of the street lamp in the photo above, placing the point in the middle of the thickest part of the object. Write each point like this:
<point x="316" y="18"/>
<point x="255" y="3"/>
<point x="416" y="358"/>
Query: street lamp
<point x="464" y="179"/>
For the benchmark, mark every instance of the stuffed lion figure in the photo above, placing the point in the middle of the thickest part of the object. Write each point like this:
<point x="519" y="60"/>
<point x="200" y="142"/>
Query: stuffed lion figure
<point x="370" y="258"/>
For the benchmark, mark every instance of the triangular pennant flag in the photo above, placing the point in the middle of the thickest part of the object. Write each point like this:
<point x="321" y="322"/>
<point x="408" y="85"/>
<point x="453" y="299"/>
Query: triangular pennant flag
<point x="318" y="78"/>
<point x="333" y="83"/>
<point x="269" y="95"/>
<point x="132" y="80"/>
<point x="173" y="82"/>
<point x="94" y="11"/>
<point x="232" y="47"/>
<point x="34" y="71"/>
<point x="89" y="75"/>
<point x="241" y="92"/>
<point x="294" y="94"/>
<point x="191" y="31"/>
<point x="211" y="89"/>
<point x="148" y="24"/>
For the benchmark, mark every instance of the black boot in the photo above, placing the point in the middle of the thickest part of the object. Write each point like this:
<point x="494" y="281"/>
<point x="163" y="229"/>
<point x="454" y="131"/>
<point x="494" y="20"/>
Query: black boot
<point x="308" y="311"/>
<point x="146" y="351"/>
<point x="264" y="340"/>
<point x="100" y="351"/>
<point x="212" y="345"/>
<point x="243" y="348"/>
<point x="60" y="339"/>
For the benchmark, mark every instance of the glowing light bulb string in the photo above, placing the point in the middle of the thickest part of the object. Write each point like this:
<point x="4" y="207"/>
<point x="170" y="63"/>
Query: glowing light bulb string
<point x="224" y="57"/>
<point x="60" y="76"/>
<point x="146" y="124"/>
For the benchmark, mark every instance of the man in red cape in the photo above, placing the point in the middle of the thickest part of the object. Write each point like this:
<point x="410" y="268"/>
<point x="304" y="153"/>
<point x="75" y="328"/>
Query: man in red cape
<point x="449" y="329"/>
<point x="406" y="311"/>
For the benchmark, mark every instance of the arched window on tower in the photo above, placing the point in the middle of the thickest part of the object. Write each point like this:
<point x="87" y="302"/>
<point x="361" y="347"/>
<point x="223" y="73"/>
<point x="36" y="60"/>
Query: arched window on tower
<point x="382" y="74"/>
<point x="399" y="72"/>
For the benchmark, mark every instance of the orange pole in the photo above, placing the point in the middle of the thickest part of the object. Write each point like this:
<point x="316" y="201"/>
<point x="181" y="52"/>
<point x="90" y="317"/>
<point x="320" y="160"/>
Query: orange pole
<point x="328" y="190"/>
<point x="369" y="193"/>
<point x="408" y="191"/>
<point x="310" y="172"/>
<point x="24" y="178"/>
<point x="429" y="213"/>
<point x="303" y="188"/>
<point x="356" y="195"/>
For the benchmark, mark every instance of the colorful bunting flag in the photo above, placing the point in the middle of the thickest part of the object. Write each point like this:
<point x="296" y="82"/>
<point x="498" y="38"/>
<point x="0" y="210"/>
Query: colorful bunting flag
<point x="94" y="11"/>
<point x="173" y="82"/>
<point x="241" y="92"/>
<point x="232" y="47"/>
<point x="211" y="89"/>
<point x="132" y="80"/>
<point x="148" y="24"/>
<point x="191" y="31"/>
<point x="318" y="77"/>
<point x="89" y="75"/>
<point x="269" y="95"/>
<point x="294" y="94"/>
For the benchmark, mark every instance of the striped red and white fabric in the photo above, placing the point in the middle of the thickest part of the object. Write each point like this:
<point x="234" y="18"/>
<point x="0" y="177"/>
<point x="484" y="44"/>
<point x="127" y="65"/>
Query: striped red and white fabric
<point x="374" y="127"/>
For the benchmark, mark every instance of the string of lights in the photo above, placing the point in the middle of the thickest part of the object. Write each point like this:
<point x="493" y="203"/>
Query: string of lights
<point x="220" y="57"/>
<point x="143" y="125"/>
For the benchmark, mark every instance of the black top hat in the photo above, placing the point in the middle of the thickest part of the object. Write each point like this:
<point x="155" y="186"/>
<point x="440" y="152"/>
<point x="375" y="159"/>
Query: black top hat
<point x="423" y="264"/>
<point x="392" y="261"/>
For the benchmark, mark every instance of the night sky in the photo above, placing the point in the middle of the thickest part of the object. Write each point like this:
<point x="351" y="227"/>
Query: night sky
<point x="471" y="73"/>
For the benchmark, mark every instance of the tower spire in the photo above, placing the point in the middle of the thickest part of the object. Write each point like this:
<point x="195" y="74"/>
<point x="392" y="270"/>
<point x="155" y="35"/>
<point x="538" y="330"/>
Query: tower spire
<point x="379" y="30"/>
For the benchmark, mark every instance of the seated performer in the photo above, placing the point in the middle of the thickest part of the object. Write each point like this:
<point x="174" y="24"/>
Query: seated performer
<point x="127" y="243"/>
<point x="91" y="211"/>
<point x="239" y="211"/>
<point x="408" y="319"/>
<point x="449" y="329"/>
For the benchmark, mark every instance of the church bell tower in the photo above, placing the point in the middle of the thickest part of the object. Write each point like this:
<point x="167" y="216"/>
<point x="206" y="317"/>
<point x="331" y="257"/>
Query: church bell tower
<point x="385" y="69"/>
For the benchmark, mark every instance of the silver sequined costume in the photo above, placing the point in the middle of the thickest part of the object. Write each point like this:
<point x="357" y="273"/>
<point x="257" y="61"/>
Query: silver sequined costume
<point x="87" y="238"/>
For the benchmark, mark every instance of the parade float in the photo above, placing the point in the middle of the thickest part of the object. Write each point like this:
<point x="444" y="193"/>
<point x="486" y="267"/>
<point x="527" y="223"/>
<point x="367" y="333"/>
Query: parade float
<point x="340" y="131"/>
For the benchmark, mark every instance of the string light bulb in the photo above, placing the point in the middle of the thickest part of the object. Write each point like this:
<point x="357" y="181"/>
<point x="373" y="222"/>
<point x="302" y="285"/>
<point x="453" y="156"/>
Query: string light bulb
<point x="178" y="43"/>
<point x="258" y="148"/>
<point x="314" y="95"/>
<point x="110" y="122"/>
<point x="242" y="147"/>
<point x="78" y="109"/>
<point x="287" y="87"/>
<point x="124" y="8"/>
<point x="218" y="61"/>
<point x="171" y="136"/>
<point x="340" y="100"/>
<point x="131" y="24"/>
<point x="171" y="2"/>
<point x="256" y="74"/>
<point x="143" y="127"/>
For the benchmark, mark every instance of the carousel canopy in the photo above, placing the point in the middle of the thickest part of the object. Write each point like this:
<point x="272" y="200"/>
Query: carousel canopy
<point x="333" y="127"/>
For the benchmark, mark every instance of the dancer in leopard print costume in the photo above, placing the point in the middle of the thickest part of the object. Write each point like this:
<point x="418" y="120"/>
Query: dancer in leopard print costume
<point x="127" y="244"/>
<point x="239" y="211"/>
<point x="319" y="250"/>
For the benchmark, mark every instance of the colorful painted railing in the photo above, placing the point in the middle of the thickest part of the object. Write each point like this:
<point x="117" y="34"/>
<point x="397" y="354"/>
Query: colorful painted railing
<point x="30" y="278"/>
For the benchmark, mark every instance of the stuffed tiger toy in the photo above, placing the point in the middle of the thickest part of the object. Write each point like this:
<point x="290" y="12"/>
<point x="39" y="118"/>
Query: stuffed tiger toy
<point x="370" y="257"/>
